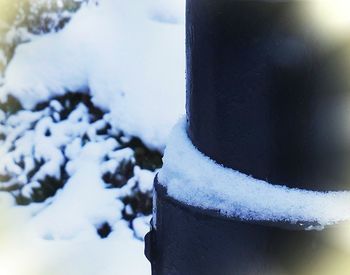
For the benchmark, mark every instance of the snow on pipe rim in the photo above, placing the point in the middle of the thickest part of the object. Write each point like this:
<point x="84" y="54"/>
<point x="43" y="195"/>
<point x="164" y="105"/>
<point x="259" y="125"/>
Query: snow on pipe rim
<point x="194" y="179"/>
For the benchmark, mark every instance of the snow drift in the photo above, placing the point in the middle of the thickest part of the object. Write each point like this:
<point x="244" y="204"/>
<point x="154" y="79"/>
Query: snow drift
<point x="128" y="54"/>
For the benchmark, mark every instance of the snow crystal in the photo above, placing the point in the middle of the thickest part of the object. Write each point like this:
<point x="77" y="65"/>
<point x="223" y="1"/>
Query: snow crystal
<point x="235" y="194"/>
<point x="128" y="54"/>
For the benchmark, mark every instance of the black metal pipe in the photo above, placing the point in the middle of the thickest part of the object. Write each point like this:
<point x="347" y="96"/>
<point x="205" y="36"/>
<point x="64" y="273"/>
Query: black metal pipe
<point x="267" y="95"/>
<point x="192" y="241"/>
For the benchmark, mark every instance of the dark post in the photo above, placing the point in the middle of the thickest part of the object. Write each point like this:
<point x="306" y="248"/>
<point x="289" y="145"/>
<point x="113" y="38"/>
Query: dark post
<point x="268" y="94"/>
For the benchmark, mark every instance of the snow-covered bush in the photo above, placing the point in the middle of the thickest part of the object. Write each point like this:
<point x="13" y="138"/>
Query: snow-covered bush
<point x="98" y="147"/>
<point x="79" y="166"/>
<point x="38" y="148"/>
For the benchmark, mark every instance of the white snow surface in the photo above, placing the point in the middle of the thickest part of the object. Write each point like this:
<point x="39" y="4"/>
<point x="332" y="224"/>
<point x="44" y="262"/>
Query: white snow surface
<point x="129" y="55"/>
<point x="195" y="179"/>
<point x="23" y="251"/>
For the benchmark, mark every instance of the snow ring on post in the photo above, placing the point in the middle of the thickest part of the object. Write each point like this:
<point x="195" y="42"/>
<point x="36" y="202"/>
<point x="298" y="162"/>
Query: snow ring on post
<point x="194" y="179"/>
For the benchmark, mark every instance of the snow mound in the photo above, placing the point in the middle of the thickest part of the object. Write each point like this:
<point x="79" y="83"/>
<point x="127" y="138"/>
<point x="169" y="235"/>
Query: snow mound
<point x="120" y="254"/>
<point x="129" y="55"/>
<point x="91" y="225"/>
<point x="195" y="179"/>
